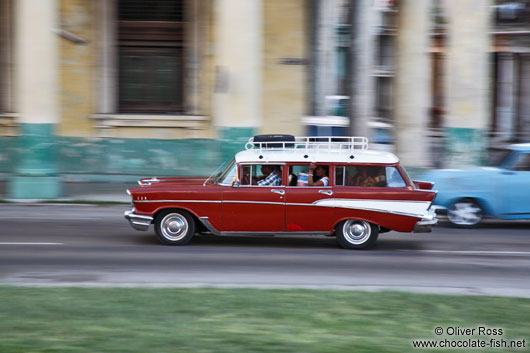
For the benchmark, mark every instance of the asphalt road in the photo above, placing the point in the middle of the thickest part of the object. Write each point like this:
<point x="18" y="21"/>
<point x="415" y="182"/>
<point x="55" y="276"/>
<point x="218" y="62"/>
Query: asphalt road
<point x="87" y="245"/>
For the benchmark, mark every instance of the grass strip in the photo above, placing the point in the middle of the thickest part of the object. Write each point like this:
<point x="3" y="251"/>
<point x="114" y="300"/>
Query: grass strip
<point x="243" y="320"/>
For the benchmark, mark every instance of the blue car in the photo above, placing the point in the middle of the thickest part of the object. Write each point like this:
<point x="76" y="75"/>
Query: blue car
<point x="501" y="191"/>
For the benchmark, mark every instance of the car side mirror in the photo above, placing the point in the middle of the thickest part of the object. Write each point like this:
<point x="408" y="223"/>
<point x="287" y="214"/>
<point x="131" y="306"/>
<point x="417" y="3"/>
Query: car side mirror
<point x="236" y="183"/>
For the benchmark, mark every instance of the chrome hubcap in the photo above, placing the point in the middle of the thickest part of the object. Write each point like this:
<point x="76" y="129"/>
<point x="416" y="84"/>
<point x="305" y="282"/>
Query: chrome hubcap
<point x="356" y="232"/>
<point x="465" y="213"/>
<point x="174" y="226"/>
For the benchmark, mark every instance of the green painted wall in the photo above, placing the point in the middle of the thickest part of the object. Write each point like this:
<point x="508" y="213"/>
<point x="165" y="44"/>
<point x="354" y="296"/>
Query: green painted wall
<point x="35" y="174"/>
<point x="39" y="153"/>
<point x="36" y="150"/>
<point x="7" y="154"/>
<point x="465" y="147"/>
<point x="148" y="157"/>
<point x="233" y="140"/>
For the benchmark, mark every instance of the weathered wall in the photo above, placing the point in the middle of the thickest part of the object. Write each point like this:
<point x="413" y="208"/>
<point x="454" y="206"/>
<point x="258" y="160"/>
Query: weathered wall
<point x="77" y="68"/>
<point x="158" y="146"/>
<point x="284" y="86"/>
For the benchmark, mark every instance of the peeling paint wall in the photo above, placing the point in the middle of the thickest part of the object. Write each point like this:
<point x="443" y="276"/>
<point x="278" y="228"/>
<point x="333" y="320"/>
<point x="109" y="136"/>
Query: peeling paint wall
<point x="161" y="146"/>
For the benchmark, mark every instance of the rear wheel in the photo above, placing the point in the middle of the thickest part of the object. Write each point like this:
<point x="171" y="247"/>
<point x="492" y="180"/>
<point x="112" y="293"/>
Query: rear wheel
<point x="174" y="227"/>
<point x="355" y="234"/>
<point x="465" y="213"/>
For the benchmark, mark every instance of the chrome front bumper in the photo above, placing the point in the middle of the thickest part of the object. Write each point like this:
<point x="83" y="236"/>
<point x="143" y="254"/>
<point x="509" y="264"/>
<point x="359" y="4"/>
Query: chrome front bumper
<point x="138" y="222"/>
<point x="425" y="224"/>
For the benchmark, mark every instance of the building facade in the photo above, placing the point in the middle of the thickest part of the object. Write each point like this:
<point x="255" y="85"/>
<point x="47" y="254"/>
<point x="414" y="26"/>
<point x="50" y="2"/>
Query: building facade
<point x="111" y="90"/>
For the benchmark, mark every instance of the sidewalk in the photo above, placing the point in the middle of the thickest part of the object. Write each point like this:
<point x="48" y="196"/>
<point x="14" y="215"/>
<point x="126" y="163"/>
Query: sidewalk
<point x="88" y="192"/>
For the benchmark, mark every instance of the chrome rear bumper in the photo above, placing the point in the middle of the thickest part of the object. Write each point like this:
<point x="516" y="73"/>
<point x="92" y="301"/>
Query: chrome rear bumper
<point x="425" y="224"/>
<point x="138" y="222"/>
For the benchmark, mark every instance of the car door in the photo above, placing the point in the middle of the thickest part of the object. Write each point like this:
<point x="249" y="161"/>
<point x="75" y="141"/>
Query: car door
<point x="308" y="208"/>
<point x="514" y="188"/>
<point x="253" y="208"/>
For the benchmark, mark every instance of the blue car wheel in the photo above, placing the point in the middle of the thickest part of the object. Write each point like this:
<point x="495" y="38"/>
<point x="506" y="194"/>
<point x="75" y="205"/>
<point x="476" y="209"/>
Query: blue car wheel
<point x="465" y="213"/>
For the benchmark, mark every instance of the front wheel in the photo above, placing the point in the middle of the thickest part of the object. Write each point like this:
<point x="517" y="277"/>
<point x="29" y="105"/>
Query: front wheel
<point x="465" y="213"/>
<point x="355" y="234"/>
<point x="174" y="227"/>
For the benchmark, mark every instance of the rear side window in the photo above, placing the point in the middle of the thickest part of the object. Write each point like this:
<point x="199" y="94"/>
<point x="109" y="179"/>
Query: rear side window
<point x="368" y="176"/>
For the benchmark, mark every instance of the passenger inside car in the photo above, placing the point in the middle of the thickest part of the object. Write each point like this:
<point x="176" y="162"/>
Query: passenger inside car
<point x="309" y="175"/>
<point x="370" y="177"/>
<point x="318" y="175"/>
<point x="271" y="175"/>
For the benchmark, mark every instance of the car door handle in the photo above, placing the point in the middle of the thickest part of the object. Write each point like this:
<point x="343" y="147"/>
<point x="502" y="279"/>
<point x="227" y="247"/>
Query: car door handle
<point x="276" y="191"/>
<point x="327" y="192"/>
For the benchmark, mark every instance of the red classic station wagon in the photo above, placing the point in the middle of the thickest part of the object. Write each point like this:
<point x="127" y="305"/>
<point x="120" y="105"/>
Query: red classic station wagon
<point x="281" y="184"/>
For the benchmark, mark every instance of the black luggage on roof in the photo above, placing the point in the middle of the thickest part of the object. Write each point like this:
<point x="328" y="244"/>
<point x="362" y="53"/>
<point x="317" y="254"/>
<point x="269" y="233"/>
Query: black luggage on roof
<point x="273" y="138"/>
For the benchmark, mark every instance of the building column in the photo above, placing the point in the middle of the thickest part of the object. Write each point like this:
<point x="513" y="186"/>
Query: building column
<point x="36" y="58"/>
<point x="5" y="55"/>
<point x="468" y="82"/>
<point x="505" y="107"/>
<point x="524" y="96"/>
<point x="326" y="77"/>
<point x="237" y="106"/>
<point x="362" y="64"/>
<point x="108" y="57"/>
<point x="412" y="83"/>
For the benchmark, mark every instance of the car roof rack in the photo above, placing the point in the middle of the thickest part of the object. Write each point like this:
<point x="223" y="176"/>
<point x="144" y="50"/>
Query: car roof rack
<point x="321" y="143"/>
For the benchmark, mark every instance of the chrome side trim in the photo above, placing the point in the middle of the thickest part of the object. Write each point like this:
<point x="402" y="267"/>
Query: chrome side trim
<point x="303" y="204"/>
<point x="400" y="207"/>
<point x="180" y="201"/>
<point x="147" y="182"/>
<point x="208" y="225"/>
<point x="429" y="218"/>
<point x="425" y="224"/>
<point x="381" y="211"/>
<point x="210" y="201"/>
<point x="275" y="233"/>
<point x="315" y="204"/>
<point x="255" y="202"/>
<point x="261" y="186"/>
<point x="138" y="222"/>
<point x="367" y="200"/>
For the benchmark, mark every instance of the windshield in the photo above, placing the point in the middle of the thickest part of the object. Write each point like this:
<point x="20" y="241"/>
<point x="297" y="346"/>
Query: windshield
<point x="503" y="159"/>
<point x="228" y="175"/>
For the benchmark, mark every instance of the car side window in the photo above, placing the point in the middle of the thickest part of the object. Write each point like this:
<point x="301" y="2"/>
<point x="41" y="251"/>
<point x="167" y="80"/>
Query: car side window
<point x="394" y="178"/>
<point x="344" y="175"/>
<point x="523" y="164"/>
<point x="302" y="175"/>
<point x="368" y="176"/>
<point x="261" y="175"/>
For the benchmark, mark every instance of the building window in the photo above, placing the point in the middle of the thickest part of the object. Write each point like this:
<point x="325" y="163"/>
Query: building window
<point x="151" y="52"/>
<point x="512" y="12"/>
<point x="383" y="98"/>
